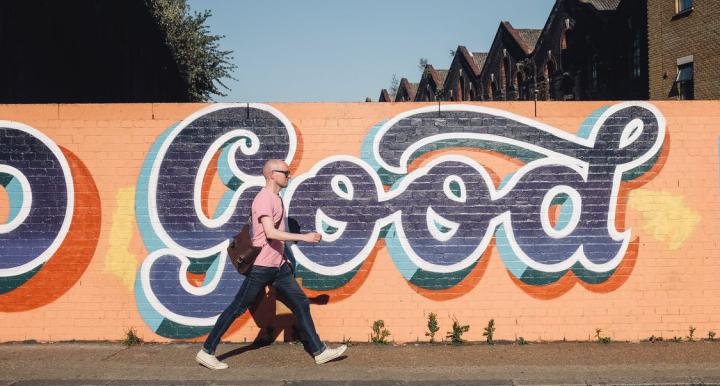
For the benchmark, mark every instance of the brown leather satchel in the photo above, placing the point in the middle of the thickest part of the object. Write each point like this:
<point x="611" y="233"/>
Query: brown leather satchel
<point x="241" y="251"/>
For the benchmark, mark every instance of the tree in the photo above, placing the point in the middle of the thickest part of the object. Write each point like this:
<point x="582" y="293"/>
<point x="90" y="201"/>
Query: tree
<point x="197" y="52"/>
<point x="394" y="85"/>
<point x="422" y="62"/>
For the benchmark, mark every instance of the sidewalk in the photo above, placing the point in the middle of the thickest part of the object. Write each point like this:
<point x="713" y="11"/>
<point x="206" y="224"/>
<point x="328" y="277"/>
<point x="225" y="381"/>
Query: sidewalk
<point x="365" y="364"/>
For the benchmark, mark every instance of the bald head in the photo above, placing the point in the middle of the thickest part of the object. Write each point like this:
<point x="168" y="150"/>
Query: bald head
<point x="273" y="164"/>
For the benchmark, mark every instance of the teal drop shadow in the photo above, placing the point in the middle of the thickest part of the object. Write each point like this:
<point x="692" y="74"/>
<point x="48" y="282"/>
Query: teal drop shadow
<point x="11" y="283"/>
<point x="173" y="330"/>
<point x="318" y="282"/>
<point x="414" y="274"/>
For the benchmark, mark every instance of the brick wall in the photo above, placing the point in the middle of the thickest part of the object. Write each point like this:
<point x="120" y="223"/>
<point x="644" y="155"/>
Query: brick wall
<point x="585" y="215"/>
<point x="672" y="37"/>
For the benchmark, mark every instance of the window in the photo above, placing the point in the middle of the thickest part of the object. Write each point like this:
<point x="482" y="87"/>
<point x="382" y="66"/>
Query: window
<point x="519" y="85"/>
<point x="494" y="89"/>
<point x="548" y="81"/>
<point x="684" y="82"/>
<point x="683" y="6"/>
<point x="461" y="87"/>
<point x="507" y="79"/>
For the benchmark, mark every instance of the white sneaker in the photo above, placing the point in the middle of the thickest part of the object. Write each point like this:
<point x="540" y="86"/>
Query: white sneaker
<point x="329" y="354"/>
<point x="210" y="361"/>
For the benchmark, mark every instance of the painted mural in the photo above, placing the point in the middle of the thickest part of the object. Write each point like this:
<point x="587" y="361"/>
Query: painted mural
<point x="45" y="237"/>
<point x="119" y="216"/>
<point x="560" y="212"/>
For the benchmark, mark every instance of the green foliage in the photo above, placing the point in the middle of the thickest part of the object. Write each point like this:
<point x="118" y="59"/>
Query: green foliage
<point x="653" y="339"/>
<point x="600" y="338"/>
<point x="131" y="338"/>
<point x="432" y="326"/>
<point x="394" y="85"/>
<point x="521" y="341"/>
<point x="490" y="331"/>
<point x="677" y="339"/>
<point x="422" y="62"/>
<point x="455" y="335"/>
<point x="347" y="341"/>
<point x="691" y="334"/>
<point x="379" y="332"/>
<point x="711" y="335"/>
<point x="200" y="60"/>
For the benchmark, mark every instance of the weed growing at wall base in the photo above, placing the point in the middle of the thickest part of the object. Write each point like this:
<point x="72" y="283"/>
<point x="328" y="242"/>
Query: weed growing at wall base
<point x="600" y="338"/>
<point x="432" y="326"/>
<point x="455" y="335"/>
<point x="379" y="332"/>
<point x="711" y="335"/>
<point x="490" y="331"/>
<point x="691" y="334"/>
<point x="131" y="338"/>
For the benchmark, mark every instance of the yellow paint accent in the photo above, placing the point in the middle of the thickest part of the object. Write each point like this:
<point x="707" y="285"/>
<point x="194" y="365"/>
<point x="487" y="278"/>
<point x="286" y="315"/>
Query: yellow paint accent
<point x="119" y="260"/>
<point x="664" y="216"/>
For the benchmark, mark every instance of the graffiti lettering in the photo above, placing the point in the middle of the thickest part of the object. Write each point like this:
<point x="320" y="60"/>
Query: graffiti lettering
<point x="39" y="185"/>
<point x="442" y="217"/>
<point x="180" y="237"/>
<point x="438" y="220"/>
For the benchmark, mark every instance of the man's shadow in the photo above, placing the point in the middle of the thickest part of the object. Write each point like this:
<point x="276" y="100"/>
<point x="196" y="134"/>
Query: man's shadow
<point x="271" y="313"/>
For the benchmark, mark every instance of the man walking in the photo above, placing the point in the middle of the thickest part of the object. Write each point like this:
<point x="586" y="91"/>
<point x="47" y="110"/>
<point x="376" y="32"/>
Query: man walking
<point x="271" y="267"/>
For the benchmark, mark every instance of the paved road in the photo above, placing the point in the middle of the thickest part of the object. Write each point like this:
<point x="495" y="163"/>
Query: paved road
<point x="365" y="364"/>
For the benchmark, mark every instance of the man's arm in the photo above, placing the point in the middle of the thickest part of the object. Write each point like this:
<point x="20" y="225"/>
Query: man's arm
<point x="272" y="233"/>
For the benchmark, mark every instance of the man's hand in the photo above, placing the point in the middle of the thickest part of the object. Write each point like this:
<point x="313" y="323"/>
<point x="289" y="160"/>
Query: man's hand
<point x="312" y="237"/>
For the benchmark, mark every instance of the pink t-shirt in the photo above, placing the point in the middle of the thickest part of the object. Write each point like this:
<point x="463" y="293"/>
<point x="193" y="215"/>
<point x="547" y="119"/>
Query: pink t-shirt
<point x="269" y="204"/>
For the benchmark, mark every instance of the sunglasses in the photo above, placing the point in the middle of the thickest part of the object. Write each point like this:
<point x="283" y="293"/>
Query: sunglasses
<point x="285" y="172"/>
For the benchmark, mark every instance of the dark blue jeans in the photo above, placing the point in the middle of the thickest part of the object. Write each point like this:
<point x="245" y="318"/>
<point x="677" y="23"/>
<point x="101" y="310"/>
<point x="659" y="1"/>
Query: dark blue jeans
<point x="284" y="282"/>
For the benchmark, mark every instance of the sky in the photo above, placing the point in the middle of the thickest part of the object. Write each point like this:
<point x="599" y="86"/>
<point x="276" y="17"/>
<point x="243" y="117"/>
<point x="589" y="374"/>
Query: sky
<point x="344" y="51"/>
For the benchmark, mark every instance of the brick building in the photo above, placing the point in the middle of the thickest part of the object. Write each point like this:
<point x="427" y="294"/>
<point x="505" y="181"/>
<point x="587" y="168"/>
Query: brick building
<point x="431" y="85"/>
<point x="500" y="76"/>
<point x="385" y="96"/>
<point x="406" y="91"/>
<point x="461" y="81"/>
<point x="595" y="50"/>
<point x="684" y="42"/>
<point x="591" y="50"/>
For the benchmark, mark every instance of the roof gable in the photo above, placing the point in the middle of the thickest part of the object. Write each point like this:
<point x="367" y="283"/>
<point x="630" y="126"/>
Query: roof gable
<point x="463" y="55"/>
<point x="431" y="76"/>
<point x="406" y="88"/>
<point x="385" y="96"/>
<point x="479" y="58"/>
<point x="525" y="38"/>
<point x="603" y="5"/>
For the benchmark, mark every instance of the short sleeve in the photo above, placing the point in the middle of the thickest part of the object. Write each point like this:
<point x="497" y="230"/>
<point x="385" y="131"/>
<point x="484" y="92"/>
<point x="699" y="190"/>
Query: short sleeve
<point x="262" y="206"/>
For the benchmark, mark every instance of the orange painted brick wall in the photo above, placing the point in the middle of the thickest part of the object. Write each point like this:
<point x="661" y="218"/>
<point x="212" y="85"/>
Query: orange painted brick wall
<point x="422" y="211"/>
